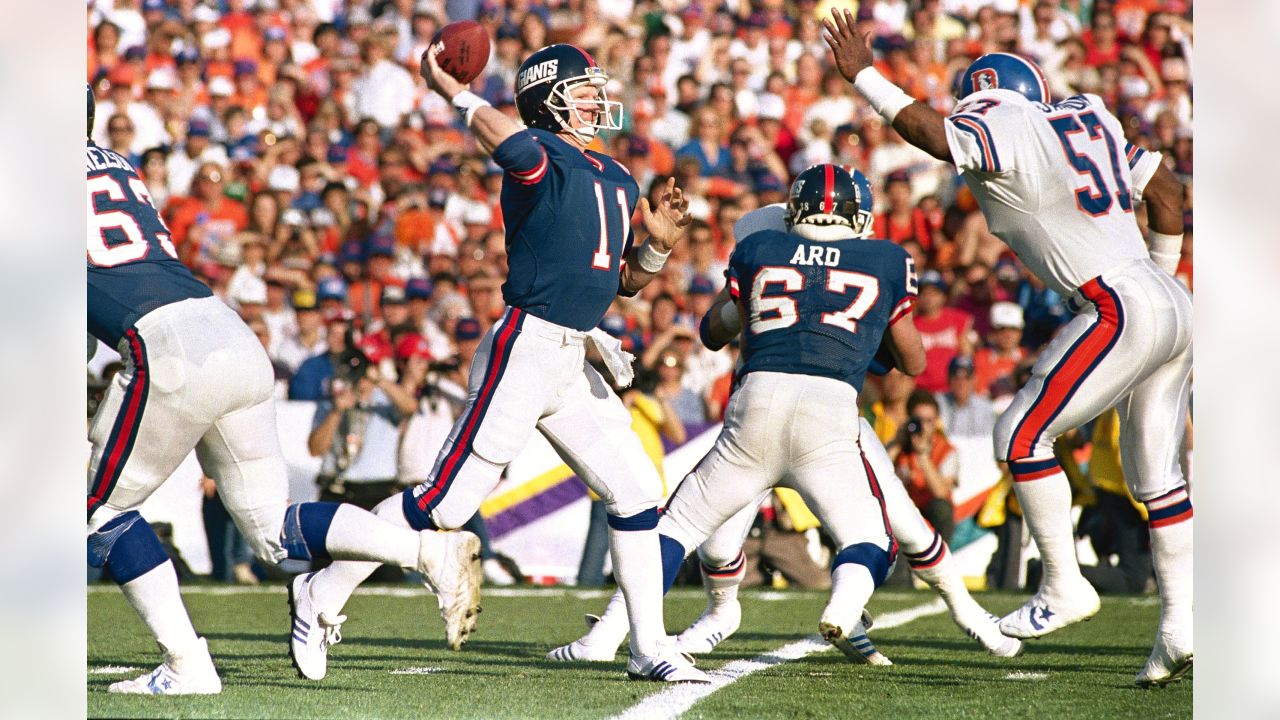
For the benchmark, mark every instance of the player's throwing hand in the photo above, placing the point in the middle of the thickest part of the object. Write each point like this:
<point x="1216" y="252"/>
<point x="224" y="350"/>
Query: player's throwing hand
<point x="437" y="79"/>
<point x="852" y="49"/>
<point x="667" y="222"/>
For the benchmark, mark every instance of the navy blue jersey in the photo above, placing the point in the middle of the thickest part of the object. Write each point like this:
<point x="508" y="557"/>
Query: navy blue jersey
<point x="818" y="308"/>
<point x="568" y="217"/>
<point x="133" y="267"/>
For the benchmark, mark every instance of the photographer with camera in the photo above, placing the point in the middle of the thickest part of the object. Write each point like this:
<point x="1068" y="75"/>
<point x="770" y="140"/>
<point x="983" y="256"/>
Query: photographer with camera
<point x="356" y="430"/>
<point x="927" y="463"/>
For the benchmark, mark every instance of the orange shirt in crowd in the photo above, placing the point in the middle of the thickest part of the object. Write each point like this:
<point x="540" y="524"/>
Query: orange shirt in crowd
<point x="908" y="469"/>
<point x="989" y="366"/>
<point x="915" y="228"/>
<point x="227" y="219"/>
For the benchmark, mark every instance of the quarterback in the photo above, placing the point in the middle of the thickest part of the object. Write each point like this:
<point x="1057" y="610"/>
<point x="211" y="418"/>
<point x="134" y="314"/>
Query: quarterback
<point x="569" y="241"/>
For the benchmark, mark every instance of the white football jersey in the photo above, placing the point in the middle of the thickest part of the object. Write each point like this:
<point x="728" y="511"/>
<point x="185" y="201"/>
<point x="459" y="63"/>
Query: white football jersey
<point x="1057" y="183"/>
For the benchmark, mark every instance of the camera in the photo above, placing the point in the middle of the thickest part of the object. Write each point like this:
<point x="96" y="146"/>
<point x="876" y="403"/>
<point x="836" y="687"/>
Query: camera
<point x="914" y="426"/>
<point x="352" y="365"/>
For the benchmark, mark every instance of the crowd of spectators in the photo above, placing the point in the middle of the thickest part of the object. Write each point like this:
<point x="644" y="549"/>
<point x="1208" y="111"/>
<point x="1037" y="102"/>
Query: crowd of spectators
<point x="312" y="180"/>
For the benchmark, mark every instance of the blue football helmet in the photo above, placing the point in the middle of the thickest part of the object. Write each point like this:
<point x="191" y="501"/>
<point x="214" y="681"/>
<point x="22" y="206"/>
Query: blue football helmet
<point x="828" y="194"/>
<point x="543" y="84"/>
<point x="91" y="108"/>
<point x="1004" y="71"/>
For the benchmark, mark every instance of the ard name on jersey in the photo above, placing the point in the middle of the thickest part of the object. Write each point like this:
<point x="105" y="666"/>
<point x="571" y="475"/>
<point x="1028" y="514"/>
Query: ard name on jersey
<point x="818" y="308"/>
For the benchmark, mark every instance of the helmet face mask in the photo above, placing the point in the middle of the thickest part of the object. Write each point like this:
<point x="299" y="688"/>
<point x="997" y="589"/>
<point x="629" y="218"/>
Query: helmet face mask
<point x="545" y="93"/>
<point x="830" y="203"/>
<point x="565" y="107"/>
<point x="91" y="109"/>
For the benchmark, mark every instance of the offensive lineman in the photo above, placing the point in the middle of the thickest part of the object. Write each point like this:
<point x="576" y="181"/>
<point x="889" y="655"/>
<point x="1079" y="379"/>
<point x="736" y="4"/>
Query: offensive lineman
<point x="818" y="300"/>
<point x="568" y="213"/>
<point x="196" y="376"/>
<point x="1058" y="184"/>
<point x="722" y="561"/>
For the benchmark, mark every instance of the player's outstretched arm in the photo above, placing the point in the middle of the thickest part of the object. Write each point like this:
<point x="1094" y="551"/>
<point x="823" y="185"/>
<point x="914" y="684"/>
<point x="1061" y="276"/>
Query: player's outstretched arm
<point x="490" y="126"/>
<point x="916" y="122"/>
<point x="666" y="224"/>
<point x="906" y="345"/>
<point x="1163" y="195"/>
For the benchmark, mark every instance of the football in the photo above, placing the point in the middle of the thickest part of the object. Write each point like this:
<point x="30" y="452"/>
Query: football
<point x="466" y="49"/>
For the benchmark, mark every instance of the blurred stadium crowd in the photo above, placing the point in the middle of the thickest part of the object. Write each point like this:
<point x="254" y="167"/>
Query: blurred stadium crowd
<point x="314" y="183"/>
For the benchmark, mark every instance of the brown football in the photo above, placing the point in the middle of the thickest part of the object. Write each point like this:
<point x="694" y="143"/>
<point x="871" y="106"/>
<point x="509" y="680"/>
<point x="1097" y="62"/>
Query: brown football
<point x="466" y="49"/>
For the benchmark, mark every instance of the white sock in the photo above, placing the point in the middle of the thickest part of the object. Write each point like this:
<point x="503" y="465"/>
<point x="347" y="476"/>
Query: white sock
<point x="1171" y="542"/>
<point x="613" y="626"/>
<point x="1046" y="507"/>
<point x="939" y="571"/>
<point x="332" y="586"/>
<point x="358" y="534"/>
<point x="722" y="583"/>
<point x="154" y="594"/>
<point x="637" y="565"/>
<point x="851" y="588"/>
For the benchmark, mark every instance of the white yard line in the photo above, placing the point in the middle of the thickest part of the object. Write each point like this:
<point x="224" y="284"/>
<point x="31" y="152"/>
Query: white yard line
<point x="112" y="670"/>
<point x="674" y="701"/>
<point x="1020" y="675"/>
<point x="408" y="591"/>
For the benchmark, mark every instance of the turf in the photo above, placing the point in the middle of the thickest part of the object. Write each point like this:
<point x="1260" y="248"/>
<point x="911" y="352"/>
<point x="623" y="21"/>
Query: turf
<point x="392" y="663"/>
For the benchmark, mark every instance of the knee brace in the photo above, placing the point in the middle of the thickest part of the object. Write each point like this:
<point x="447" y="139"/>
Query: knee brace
<point x="127" y="547"/>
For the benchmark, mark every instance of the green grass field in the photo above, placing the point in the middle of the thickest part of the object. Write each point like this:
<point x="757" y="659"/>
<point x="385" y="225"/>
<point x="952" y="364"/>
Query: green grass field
<point x="393" y="663"/>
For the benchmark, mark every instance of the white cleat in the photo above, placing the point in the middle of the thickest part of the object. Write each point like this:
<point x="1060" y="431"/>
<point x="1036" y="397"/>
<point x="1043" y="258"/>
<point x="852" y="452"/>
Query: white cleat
<point x="1049" y="610"/>
<point x="1169" y="662"/>
<point x="450" y="566"/>
<point x="312" y="632"/>
<point x="584" y="650"/>
<point x="193" y="674"/>
<point x="713" y="627"/>
<point x="854" y="643"/>
<point x="668" y="666"/>
<point x="496" y="574"/>
<point x="986" y="630"/>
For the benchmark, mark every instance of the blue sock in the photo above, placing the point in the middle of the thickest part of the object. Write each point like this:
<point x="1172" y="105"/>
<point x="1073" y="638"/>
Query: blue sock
<point x="418" y="518"/>
<point x="306" y="525"/>
<point x="128" y="548"/>
<point x="672" y="558"/>
<point x="871" y="556"/>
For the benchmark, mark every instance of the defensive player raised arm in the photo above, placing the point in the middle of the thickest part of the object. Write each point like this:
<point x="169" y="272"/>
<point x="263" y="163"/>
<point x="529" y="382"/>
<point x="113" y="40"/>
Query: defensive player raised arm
<point x="916" y="122"/>
<point x="666" y="224"/>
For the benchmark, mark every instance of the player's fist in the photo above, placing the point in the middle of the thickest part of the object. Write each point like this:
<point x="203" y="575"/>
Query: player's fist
<point x="851" y="49"/>
<point x="437" y="79"/>
<point x="666" y="222"/>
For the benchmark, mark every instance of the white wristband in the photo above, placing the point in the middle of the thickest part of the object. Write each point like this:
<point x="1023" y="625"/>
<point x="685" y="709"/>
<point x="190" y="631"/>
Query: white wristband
<point x="885" y="97"/>
<point x="466" y="103"/>
<point x="1166" y="250"/>
<point x="650" y="260"/>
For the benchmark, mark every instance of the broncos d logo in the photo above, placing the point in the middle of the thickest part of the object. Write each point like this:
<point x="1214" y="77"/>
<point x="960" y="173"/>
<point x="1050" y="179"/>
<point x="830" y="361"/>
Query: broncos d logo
<point x="984" y="79"/>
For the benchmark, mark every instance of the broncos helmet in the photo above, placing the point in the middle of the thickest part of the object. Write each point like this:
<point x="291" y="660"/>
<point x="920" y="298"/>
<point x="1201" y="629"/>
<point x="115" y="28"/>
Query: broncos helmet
<point x="828" y="194"/>
<point x="1007" y="72"/>
<point x="91" y="108"/>
<point x="543" y="82"/>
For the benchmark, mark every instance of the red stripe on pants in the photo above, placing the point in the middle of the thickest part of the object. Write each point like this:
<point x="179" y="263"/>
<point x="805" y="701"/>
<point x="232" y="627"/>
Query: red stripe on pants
<point x="486" y="392"/>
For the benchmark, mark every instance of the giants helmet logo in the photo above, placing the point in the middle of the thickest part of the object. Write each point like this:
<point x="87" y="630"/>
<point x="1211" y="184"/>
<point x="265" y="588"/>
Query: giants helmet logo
<point x="984" y="79"/>
<point x="544" y="71"/>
